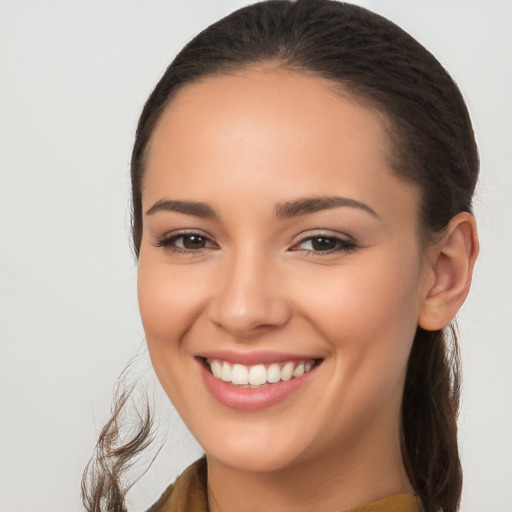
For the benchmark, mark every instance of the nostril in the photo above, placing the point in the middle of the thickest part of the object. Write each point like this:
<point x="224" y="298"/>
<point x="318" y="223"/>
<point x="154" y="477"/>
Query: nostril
<point x="248" y="300"/>
<point x="247" y="322"/>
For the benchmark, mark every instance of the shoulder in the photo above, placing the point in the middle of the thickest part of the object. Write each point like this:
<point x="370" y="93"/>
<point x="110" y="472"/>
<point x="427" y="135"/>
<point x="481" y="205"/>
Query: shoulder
<point x="187" y="493"/>
<point x="398" y="503"/>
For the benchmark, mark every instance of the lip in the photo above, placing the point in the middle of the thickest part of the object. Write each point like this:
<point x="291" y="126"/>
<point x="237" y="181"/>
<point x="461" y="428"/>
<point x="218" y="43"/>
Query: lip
<point x="253" y="358"/>
<point x="244" y="399"/>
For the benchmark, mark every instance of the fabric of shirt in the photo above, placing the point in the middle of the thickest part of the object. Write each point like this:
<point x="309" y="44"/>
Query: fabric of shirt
<point x="189" y="494"/>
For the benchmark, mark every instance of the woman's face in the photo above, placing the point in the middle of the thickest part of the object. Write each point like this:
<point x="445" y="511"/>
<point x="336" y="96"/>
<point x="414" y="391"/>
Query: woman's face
<point x="277" y="241"/>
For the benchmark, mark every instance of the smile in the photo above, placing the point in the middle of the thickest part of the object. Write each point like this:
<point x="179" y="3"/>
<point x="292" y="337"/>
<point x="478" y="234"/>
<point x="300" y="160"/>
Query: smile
<point x="252" y="382"/>
<point x="259" y="374"/>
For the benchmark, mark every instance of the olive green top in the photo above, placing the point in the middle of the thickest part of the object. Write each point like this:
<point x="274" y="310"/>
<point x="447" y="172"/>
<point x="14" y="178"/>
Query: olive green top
<point x="188" y="494"/>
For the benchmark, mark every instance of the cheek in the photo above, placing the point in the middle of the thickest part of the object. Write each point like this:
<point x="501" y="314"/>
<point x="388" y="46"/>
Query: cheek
<point x="366" y="306"/>
<point x="168" y="302"/>
<point x="368" y="317"/>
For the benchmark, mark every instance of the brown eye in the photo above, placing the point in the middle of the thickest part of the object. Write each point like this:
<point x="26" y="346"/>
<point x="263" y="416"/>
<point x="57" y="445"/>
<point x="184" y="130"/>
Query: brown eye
<point x="191" y="242"/>
<point x="186" y="242"/>
<point x="327" y="244"/>
<point x="323" y="244"/>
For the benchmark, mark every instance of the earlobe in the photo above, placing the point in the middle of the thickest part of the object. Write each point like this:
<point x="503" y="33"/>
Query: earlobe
<point x="452" y="260"/>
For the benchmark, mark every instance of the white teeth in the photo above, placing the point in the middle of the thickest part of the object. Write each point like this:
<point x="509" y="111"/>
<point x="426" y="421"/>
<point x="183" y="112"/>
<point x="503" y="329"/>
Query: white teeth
<point x="287" y="371"/>
<point x="216" y="368"/>
<point x="259" y="374"/>
<point x="239" y="375"/>
<point x="299" y="370"/>
<point x="226" y="372"/>
<point x="273" y="373"/>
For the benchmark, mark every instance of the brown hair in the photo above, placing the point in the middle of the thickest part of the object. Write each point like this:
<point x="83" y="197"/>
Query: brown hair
<point x="434" y="147"/>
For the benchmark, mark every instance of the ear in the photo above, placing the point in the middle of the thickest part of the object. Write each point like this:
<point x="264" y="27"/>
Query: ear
<point x="451" y="262"/>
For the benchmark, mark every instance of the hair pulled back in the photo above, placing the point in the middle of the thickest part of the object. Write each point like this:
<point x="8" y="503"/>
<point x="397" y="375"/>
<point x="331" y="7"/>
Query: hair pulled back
<point x="379" y="64"/>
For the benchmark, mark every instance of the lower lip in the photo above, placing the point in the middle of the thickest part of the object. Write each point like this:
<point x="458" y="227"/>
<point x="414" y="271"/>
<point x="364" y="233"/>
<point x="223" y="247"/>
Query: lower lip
<point x="254" y="399"/>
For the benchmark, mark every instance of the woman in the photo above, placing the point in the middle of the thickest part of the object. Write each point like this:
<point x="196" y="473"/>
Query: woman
<point x="302" y="179"/>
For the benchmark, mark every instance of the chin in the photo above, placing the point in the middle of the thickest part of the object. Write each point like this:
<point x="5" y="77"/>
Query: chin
<point x="255" y="454"/>
<point x="252" y="461"/>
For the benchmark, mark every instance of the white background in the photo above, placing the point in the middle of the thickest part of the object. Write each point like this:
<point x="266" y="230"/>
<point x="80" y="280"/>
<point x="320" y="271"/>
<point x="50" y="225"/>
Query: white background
<point x="73" y="78"/>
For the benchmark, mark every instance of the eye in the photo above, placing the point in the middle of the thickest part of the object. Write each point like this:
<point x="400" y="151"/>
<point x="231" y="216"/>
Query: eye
<point x="186" y="242"/>
<point x="325" y="244"/>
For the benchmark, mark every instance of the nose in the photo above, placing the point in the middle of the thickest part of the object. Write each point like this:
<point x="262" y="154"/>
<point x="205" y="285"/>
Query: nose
<point x="250" y="297"/>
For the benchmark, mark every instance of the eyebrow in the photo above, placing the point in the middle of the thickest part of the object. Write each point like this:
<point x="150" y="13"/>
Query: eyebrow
<point x="187" y="207"/>
<point x="282" y="211"/>
<point x="316" y="204"/>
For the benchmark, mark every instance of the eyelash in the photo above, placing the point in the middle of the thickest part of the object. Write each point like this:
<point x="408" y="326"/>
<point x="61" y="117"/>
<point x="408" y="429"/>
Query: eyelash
<point x="340" y="244"/>
<point x="167" y="243"/>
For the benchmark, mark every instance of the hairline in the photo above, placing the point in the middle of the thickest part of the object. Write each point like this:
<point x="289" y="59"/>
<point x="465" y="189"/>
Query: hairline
<point x="341" y="88"/>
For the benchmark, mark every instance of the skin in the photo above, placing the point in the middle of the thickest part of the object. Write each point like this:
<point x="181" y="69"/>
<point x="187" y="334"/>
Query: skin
<point x="243" y="144"/>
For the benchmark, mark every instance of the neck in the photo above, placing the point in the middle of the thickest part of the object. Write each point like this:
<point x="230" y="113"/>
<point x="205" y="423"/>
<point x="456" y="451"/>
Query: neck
<point x="338" y="482"/>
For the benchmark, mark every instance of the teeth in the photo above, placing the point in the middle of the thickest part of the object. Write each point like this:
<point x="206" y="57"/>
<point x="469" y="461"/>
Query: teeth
<point x="273" y="373"/>
<point x="259" y="374"/>
<point x="299" y="370"/>
<point x="239" y="375"/>
<point x="226" y="372"/>
<point x="216" y="368"/>
<point x="287" y="371"/>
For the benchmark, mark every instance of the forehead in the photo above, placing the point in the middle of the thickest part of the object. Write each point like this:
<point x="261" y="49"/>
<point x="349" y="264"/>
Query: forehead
<point x="260" y="101"/>
<point x="270" y="127"/>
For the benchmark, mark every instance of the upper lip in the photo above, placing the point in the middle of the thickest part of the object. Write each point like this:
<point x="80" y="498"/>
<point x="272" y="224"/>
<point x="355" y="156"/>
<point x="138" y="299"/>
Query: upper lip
<point x="253" y="358"/>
